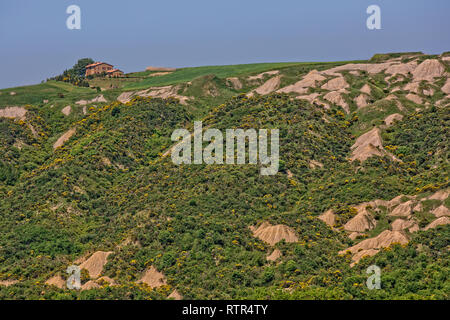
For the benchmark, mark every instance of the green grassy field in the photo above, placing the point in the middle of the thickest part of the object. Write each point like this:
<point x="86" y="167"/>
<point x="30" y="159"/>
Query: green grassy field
<point x="66" y="93"/>
<point x="35" y="94"/>
<point x="51" y="90"/>
<point x="188" y="74"/>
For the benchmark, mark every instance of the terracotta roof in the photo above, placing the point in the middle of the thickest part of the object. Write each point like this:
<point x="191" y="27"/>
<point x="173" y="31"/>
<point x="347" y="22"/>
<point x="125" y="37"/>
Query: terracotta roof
<point x="96" y="64"/>
<point x="113" y="70"/>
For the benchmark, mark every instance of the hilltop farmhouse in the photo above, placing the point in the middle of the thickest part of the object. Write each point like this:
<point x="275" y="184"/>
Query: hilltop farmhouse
<point x="114" y="73"/>
<point x="102" y="67"/>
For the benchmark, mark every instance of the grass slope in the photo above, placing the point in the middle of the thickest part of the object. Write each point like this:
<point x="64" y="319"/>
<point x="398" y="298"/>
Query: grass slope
<point x="188" y="74"/>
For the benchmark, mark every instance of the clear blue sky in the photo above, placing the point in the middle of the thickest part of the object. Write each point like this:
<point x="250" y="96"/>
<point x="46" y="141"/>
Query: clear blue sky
<point x="35" y="43"/>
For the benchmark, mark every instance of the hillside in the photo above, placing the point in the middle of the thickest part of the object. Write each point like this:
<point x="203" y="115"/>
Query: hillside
<point x="86" y="178"/>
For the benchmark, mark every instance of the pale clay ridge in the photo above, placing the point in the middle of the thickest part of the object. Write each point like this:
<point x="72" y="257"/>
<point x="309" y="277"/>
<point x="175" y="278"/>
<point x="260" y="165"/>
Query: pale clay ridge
<point x="390" y="119"/>
<point x="300" y="87"/>
<point x="97" y="99"/>
<point x="361" y="101"/>
<point x="401" y="224"/>
<point x="441" y="211"/>
<point x="446" y="87"/>
<point x="363" y="221"/>
<point x="90" y="285"/>
<point x="364" y="152"/>
<point x="440" y="195"/>
<point x="8" y="283"/>
<point x="444" y="102"/>
<point x="428" y="92"/>
<point x="175" y="295"/>
<point x="336" y="84"/>
<point x="396" y="201"/>
<point x="367" y="145"/>
<point x="402" y="210"/>
<point x="269" y="86"/>
<point x="157" y="74"/>
<point x="106" y="279"/>
<point x="366" y="89"/>
<point x="414" y="98"/>
<point x="438" y="222"/>
<point x="355" y="235"/>
<point x="155" y="92"/>
<point x="392" y="97"/>
<point x="313" y="164"/>
<point x="125" y="97"/>
<point x="392" y="79"/>
<point x="66" y="110"/>
<point x="406" y="222"/>
<point x="66" y="136"/>
<point x="368" y="67"/>
<point x="412" y="87"/>
<point x="153" y="278"/>
<point x="383" y="240"/>
<point x="94" y="265"/>
<point x="336" y="98"/>
<point x="418" y="207"/>
<point x="60" y="283"/>
<point x="274" y="255"/>
<point x="328" y="217"/>
<point x="391" y="203"/>
<point x="402" y="68"/>
<point x="13" y="113"/>
<point x="235" y="83"/>
<point x="310" y="97"/>
<point x="56" y="281"/>
<point x="84" y="256"/>
<point x="428" y="70"/>
<point x="274" y="234"/>
<point x="164" y="69"/>
<point x="361" y="254"/>
<point x="425" y="71"/>
<point x="261" y="75"/>
<point x="163" y="92"/>
<point x="313" y="98"/>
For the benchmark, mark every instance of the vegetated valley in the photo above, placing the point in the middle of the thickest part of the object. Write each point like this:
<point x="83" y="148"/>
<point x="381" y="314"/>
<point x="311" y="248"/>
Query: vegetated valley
<point x="86" y="178"/>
